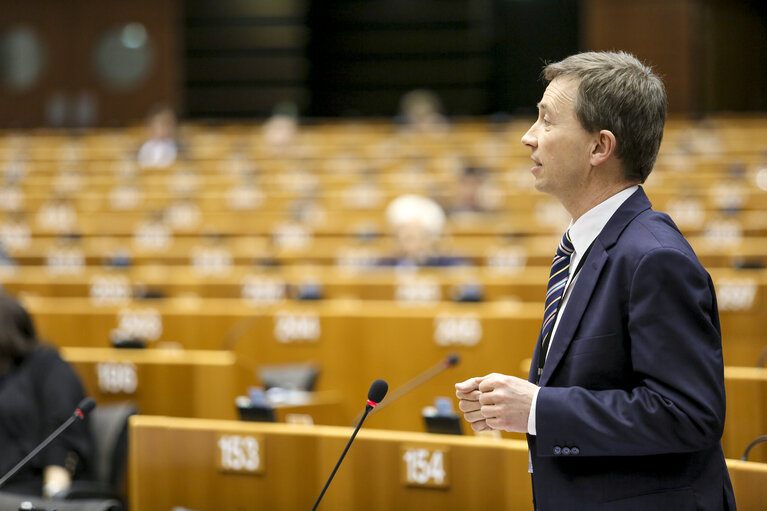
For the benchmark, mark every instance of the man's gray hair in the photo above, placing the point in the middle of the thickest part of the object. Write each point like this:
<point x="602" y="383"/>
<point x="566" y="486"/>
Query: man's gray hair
<point x="620" y="94"/>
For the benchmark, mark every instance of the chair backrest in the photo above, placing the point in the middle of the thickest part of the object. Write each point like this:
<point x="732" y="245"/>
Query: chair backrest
<point x="109" y="426"/>
<point x="759" y="440"/>
<point x="299" y="376"/>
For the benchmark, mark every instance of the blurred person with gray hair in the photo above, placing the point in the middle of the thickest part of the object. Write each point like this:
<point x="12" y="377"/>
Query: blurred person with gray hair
<point x="416" y="222"/>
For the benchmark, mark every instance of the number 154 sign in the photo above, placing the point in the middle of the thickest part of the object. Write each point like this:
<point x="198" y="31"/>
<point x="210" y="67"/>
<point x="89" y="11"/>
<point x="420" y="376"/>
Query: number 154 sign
<point x="425" y="466"/>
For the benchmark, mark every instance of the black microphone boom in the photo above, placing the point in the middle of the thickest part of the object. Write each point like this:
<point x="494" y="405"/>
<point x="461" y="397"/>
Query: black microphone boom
<point x="376" y="393"/>
<point x="449" y="361"/>
<point x="85" y="406"/>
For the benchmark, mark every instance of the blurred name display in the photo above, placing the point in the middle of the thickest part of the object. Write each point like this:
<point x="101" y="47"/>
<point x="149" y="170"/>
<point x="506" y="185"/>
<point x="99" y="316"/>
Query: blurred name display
<point x="259" y="289"/>
<point x="425" y="466"/>
<point x="506" y="260"/>
<point x="110" y="289"/>
<point x="241" y="454"/>
<point x="417" y="289"/>
<point x="117" y="377"/>
<point x="290" y="327"/>
<point x="457" y="330"/>
<point x="153" y="236"/>
<point x="736" y="294"/>
<point x="212" y="260"/>
<point x="144" y="324"/>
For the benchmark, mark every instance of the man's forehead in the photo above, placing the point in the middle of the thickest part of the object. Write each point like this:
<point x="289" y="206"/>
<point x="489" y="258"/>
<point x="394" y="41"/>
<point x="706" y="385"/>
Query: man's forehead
<point x="559" y="93"/>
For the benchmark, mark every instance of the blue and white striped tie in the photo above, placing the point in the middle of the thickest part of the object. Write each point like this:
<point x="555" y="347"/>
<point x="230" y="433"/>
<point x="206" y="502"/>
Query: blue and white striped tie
<point x="556" y="287"/>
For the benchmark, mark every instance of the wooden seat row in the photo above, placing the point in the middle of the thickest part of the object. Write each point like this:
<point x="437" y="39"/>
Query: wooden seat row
<point x="204" y="384"/>
<point x="154" y="244"/>
<point x="742" y="291"/>
<point x="352" y="342"/>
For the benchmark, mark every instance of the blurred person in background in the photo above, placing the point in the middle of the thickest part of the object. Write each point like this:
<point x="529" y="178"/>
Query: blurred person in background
<point x="161" y="148"/>
<point x="39" y="391"/>
<point x="280" y="131"/>
<point x="416" y="224"/>
<point x="421" y="111"/>
<point x="467" y="196"/>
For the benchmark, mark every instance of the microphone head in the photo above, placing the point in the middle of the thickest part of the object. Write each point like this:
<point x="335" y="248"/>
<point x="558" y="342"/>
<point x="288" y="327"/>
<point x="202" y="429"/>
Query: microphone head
<point x="453" y="359"/>
<point x="85" y="407"/>
<point x="377" y="391"/>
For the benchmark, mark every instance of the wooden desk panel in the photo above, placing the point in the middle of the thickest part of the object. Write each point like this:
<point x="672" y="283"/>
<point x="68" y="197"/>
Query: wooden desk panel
<point x="746" y="411"/>
<point x="483" y="473"/>
<point x="353" y="342"/>
<point x="185" y="383"/>
<point x="164" y="472"/>
<point x="749" y="481"/>
<point x="356" y="342"/>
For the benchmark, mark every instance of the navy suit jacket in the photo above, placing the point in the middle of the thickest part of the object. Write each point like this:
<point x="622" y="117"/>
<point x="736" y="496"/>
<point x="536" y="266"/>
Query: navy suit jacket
<point x="631" y="407"/>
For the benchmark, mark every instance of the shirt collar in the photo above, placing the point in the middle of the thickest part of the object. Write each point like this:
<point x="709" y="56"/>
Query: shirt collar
<point x="584" y="231"/>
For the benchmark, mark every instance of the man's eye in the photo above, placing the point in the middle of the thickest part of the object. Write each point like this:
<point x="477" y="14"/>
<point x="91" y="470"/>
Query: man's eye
<point x="546" y="122"/>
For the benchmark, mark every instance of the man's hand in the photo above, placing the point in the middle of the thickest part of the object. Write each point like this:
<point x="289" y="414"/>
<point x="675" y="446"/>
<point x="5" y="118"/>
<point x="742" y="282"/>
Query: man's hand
<point x="496" y="401"/>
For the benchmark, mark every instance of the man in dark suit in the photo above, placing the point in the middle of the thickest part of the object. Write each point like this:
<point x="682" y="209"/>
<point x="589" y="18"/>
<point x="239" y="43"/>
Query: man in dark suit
<point x="624" y="407"/>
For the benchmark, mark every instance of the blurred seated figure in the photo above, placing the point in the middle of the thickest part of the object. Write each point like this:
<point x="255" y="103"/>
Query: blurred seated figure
<point x="5" y="258"/>
<point x="161" y="148"/>
<point x="467" y="196"/>
<point x="38" y="392"/>
<point x="420" y="111"/>
<point x="280" y="131"/>
<point x="416" y="223"/>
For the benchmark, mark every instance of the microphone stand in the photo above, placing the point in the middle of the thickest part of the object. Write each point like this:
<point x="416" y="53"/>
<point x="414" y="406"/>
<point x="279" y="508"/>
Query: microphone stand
<point x="368" y="407"/>
<point x="78" y="415"/>
<point x="415" y="382"/>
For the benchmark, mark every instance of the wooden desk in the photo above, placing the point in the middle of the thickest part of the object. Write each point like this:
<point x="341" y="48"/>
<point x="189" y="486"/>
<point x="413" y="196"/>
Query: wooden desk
<point x="296" y="461"/>
<point x="746" y="411"/>
<point x="353" y="342"/>
<point x="749" y="481"/>
<point x="741" y="294"/>
<point x="291" y="464"/>
<point x="178" y="383"/>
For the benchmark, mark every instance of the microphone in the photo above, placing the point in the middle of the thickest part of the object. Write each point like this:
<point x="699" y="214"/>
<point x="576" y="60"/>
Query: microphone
<point x="376" y="393"/>
<point x="448" y="362"/>
<point x="83" y="408"/>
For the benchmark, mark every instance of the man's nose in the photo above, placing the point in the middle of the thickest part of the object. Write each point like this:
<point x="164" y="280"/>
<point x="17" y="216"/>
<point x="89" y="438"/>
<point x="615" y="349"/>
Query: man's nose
<point x="529" y="139"/>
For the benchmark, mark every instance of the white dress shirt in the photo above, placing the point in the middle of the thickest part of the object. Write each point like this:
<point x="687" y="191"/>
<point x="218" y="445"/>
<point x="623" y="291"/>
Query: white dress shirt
<point x="583" y="232"/>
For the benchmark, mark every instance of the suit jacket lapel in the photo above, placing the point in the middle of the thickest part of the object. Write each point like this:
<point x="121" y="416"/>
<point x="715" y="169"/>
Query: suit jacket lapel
<point x="576" y="305"/>
<point x="586" y="282"/>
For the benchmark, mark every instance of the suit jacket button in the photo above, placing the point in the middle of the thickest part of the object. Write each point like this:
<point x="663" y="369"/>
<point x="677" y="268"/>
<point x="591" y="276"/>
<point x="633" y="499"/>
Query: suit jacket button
<point x="566" y="451"/>
<point x="575" y="451"/>
<point x="557" y="450"/>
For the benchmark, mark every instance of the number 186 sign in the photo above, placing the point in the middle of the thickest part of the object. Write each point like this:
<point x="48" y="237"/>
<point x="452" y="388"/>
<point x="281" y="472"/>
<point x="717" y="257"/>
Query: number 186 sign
<point x="425" y="466"/>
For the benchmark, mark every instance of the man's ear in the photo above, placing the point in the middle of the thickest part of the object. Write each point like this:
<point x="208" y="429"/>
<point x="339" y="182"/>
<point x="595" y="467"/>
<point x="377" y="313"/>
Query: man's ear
<point x="604" y="147"/>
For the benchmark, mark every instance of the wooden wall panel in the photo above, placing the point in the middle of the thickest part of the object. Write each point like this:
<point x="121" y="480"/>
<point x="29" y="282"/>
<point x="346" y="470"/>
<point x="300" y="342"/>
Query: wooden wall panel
<point x="662" y="33"/>
<point x="70" y="32"/>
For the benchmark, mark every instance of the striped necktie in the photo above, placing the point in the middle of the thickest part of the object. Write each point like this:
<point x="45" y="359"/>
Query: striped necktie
<point x="556" y="288"/>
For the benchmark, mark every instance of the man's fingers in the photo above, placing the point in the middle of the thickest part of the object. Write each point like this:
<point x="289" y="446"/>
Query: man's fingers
<point x="468" y="396"/>
<point x="490" y="382"/>
<point x="489" y="412"/>
<point x="487" y="398"/>
<point x="468" y="386"/>
<point x="468" y="406"/>
<point x="474" y="416"/>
